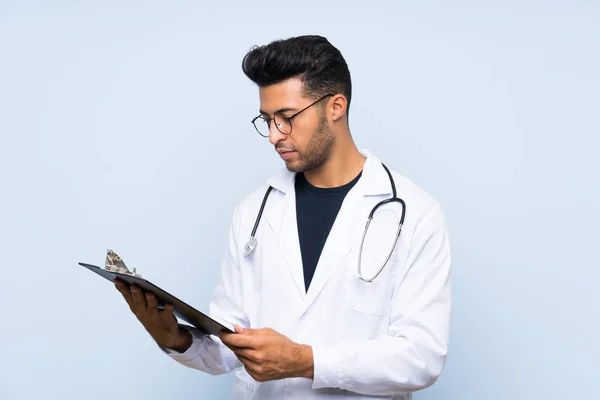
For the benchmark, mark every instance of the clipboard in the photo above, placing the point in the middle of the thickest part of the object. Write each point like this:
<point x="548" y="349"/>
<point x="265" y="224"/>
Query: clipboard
<point x="181" y="310"/>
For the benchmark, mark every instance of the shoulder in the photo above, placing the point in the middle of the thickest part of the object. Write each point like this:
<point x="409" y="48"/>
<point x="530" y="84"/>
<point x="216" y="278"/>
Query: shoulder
<point x="419" y="198"/>
<point x="247" y="209"/>
<point x="423" y="210"/>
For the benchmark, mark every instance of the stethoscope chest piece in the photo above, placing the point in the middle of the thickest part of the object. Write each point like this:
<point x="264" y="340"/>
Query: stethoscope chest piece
<point x="250" y="246"/>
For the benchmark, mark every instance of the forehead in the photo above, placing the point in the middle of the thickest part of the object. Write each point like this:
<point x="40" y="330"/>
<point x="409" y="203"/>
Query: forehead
<point x="287" y="94"/>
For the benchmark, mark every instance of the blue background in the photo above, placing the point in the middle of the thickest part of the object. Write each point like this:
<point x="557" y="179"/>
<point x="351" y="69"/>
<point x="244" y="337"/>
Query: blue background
<point x="126" y="125"/>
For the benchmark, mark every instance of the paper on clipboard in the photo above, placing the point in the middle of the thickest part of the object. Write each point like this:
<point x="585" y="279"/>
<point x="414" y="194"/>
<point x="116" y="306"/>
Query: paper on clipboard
<point x="116" y="268"/>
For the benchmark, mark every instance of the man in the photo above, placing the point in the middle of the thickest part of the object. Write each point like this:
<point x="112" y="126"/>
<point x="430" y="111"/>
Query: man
<point x="315" y="315"/>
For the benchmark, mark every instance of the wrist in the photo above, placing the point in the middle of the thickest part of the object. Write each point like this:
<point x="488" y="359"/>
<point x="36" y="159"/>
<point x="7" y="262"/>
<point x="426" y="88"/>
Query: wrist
<point x="307" y="365"/>
<point x="183" y="341"/>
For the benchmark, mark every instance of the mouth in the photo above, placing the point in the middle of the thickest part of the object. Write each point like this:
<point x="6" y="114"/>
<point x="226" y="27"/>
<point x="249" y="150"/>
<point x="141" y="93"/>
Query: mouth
<point x="286" y="154"/>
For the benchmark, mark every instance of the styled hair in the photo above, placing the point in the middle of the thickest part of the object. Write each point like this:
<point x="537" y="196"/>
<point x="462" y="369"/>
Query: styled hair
<point x="311" y="58"/>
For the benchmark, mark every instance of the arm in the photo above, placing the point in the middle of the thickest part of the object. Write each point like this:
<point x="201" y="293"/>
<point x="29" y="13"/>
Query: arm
<point x="207" y="353"/>
<point x="412" y="354"/>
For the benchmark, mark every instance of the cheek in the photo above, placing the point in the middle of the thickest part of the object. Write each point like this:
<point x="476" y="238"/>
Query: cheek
<point x="300" y="142"/>
<point x="304" y="140"/>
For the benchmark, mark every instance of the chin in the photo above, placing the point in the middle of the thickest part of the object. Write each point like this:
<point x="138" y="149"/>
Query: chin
<point x="292" y="169"/>
<point x="294" y="166"/>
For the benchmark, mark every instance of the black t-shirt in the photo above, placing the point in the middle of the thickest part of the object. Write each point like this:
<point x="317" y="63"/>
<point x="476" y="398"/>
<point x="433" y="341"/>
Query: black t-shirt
<point x="316" y="211"/>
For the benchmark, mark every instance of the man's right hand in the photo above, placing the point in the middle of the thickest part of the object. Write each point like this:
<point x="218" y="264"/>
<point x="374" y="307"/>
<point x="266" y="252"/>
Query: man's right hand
<point x="160" y="324"/>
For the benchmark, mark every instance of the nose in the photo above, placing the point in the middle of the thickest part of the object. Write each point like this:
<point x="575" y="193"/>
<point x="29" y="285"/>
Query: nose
<point x="274" y="135"/>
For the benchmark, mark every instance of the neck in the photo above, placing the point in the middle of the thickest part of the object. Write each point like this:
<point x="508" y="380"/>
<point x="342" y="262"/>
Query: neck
<point x="344" y="163"/>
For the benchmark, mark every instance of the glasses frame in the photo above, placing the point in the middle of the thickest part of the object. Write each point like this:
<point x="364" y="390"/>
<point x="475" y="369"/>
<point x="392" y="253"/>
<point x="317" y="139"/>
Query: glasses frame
<point x="289" y="119"/>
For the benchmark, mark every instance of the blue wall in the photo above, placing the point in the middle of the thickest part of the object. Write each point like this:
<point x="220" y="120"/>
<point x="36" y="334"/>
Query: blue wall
<point x="114" y="116"/>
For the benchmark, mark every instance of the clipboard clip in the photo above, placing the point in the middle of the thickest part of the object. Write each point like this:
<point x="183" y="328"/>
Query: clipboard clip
<point x="114" y="263"/>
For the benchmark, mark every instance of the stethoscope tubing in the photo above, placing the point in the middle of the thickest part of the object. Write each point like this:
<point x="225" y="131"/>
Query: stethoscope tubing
<point x="252" y="242"/>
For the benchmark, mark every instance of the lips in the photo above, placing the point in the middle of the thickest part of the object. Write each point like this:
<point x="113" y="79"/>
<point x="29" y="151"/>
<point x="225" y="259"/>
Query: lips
<point x="282" y="150"/>
<point x="285" y="154"/>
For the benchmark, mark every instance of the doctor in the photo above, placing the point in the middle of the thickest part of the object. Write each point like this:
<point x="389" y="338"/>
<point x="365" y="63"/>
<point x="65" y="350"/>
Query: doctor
<point x="321" y="309"/>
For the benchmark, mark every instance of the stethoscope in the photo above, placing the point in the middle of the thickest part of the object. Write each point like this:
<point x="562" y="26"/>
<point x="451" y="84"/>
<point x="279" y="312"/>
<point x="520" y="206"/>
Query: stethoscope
<point x="252" y="242"/>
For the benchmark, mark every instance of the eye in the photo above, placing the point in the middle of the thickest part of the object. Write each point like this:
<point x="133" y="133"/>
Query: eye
<point x="264" y="118"/>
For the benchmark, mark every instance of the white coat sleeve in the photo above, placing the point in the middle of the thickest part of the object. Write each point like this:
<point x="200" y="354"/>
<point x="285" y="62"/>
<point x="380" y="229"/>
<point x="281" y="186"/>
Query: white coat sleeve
<point x="411" y="355"/>
<point x="207" y="353"/>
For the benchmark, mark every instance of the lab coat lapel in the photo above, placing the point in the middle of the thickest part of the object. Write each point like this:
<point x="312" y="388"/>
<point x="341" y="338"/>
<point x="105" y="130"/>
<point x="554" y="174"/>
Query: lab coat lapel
<point x="281" y="217"/>
<point x="289" y="243"/>
<point x="341" y="240"/>
<point x="349" y="225"/>
<point x="345" y="233"/>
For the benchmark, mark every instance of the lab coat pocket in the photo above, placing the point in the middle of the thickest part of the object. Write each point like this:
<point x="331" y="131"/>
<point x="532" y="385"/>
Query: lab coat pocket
<point x="371" y="298"/>
<point x="244" y="386"/>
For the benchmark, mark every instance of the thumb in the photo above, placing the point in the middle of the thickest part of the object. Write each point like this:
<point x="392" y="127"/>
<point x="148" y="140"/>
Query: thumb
<point x="241" y="330"/>
<point x="249" y="331"/>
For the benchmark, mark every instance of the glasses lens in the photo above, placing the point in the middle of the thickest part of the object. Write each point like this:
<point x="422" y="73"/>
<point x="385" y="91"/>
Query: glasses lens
<point x="283" y="124"/>
<point x="262" y="126"/>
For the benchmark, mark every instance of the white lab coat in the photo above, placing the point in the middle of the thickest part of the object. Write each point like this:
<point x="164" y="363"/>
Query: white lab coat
<point x="386" y="338"/>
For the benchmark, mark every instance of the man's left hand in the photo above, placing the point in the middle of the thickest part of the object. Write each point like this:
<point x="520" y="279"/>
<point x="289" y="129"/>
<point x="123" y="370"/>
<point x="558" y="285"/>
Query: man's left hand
<point x="269" y="355"/>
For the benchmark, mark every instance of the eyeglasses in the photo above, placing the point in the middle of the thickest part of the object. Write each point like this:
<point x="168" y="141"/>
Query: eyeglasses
<point x="282" y="123"/>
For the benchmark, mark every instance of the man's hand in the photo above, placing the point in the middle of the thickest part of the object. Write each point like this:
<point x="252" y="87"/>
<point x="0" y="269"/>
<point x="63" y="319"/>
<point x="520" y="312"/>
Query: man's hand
<point x="161" y="325"/>
<point x="269" y="355"/>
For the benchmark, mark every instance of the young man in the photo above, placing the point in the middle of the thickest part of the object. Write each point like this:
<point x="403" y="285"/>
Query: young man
<point x="318" y="313"/>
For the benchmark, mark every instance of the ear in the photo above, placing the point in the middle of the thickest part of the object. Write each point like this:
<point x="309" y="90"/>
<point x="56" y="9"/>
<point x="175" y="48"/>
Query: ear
<point x="338" y="105"/>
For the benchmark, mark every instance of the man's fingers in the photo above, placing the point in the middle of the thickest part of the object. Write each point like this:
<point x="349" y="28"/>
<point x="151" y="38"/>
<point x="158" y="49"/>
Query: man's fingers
<point x="248" y="363"/>
<point x="253" y="355"/>
<point x="122" y="287"/>
<point x="152" y="305"/>
<point x="139" y="299"/>
<point x="168" y="317"/>
<point x="251" y="366"/>
<point x="255" y="332"/>
<point x="124" y="290"/>
<point x="167" y="313"/>
<point x="237" y="340"/>
<point x="236" y="350"/>
<point x="257" y="372"/>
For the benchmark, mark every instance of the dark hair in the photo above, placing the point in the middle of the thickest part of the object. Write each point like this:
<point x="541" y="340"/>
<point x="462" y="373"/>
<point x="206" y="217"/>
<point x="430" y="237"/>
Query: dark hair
<point x="316" y="62"/>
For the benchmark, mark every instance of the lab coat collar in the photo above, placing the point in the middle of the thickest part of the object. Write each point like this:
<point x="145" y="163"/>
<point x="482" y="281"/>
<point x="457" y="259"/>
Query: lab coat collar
<point x="374" y="180"/>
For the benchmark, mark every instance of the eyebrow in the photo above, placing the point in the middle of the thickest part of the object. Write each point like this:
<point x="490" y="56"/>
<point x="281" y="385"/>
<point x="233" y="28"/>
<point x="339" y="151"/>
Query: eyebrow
<point x="281" y="110"/>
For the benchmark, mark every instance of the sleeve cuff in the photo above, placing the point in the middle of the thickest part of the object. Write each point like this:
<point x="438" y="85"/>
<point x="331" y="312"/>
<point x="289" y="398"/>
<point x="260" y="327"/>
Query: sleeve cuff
<point x="328" y="371"/>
